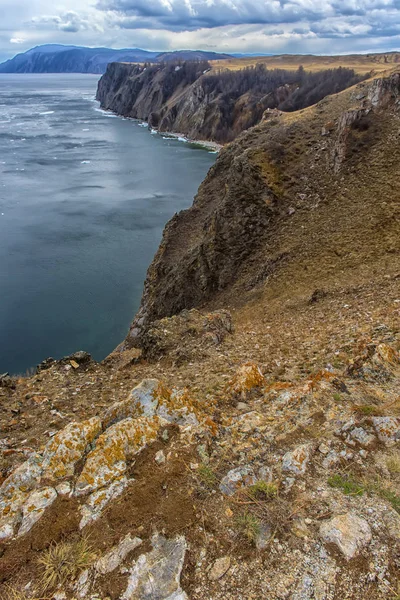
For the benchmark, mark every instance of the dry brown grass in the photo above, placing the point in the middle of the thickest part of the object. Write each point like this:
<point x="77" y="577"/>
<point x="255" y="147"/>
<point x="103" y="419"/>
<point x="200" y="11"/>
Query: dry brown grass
<point x="62" y="563"/>
<point x="12" y="593"/>
<point x="393" y="463"/>
<point x="361" y="63"/>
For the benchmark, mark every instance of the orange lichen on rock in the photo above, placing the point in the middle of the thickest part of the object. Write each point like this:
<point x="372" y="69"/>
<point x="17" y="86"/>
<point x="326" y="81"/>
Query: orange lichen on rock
<point x="247" y="378"/>
<point x="113" y="448"/>
<point x="67" y="447"/>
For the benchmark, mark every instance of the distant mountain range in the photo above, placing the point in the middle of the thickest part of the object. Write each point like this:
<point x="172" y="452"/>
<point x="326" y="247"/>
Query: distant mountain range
<point x="54" y="58"/>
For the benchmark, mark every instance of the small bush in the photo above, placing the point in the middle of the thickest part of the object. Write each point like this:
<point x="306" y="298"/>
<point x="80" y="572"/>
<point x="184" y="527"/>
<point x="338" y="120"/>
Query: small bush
<point x="62" y="562"/>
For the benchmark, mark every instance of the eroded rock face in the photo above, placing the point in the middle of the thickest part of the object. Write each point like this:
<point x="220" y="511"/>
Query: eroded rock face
<point x="229" y="235"/>
<point x="348" y="532"/>
<point x="26" y="493"/>
<point x="156" y="575"/>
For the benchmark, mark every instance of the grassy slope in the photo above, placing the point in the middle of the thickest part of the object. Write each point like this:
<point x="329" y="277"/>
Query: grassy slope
<point x="361" y="63"/>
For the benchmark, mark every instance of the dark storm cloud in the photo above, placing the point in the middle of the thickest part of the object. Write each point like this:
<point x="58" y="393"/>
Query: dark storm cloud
<point x="186" y="15"/>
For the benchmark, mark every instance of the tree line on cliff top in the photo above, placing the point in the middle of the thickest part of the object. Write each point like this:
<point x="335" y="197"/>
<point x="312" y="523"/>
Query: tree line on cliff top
<point x="242" y="96"/>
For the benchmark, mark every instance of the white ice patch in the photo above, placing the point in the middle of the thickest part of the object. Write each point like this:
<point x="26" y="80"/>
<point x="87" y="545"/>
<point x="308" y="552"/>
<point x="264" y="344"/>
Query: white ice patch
<point x="105" y="113"/>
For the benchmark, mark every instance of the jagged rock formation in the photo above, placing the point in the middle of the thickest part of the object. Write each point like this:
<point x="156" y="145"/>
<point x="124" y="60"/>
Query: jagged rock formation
<point x="258" y="214"/>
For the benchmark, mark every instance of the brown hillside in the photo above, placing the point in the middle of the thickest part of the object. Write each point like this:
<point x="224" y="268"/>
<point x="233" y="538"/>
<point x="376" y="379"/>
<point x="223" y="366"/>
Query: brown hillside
<point x="250" y="448"/>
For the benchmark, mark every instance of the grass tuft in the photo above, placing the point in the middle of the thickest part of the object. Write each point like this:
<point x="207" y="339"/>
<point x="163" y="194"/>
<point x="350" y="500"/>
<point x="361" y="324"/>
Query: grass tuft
<point x="263" y="490"/>
<point x="13" y="594"/>
<point x="207" y="476"/>
<point x="368" y="410"/>
<point x="352" y="487"/>
<point x="348" y="486"/>
<point x="63" y="562"/>
<point x="248" y="526"/>
<point x="393" y="463"/>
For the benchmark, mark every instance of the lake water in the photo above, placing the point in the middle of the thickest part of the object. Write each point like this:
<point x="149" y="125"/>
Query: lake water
<point x="84" y="197"/>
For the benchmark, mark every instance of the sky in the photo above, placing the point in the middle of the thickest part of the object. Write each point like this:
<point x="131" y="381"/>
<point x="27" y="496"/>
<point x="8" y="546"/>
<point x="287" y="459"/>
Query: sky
<point x="250" y="26"/>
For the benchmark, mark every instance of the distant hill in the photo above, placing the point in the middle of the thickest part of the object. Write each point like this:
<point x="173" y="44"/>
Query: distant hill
<point x="55" y="58"/>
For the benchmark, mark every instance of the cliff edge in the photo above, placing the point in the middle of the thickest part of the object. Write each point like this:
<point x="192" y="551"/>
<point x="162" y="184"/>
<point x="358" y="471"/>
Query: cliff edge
<point x="302" y="200"/>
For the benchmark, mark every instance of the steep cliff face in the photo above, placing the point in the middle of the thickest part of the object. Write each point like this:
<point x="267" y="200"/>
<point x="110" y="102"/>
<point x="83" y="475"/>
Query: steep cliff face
<point x="290" y="201"/>
<point x="201" y="103"/>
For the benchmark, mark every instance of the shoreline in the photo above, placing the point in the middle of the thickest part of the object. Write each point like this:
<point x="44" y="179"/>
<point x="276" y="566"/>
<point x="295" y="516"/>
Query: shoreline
<point x="181" y="137"/>
<point x="168" y="134"/>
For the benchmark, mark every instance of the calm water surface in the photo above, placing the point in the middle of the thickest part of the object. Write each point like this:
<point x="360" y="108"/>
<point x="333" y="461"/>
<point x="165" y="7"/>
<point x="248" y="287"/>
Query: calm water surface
<point x="84" y="197"/>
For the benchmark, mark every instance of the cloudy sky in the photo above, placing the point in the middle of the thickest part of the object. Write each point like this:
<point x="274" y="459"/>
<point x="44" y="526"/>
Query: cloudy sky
<point x="265" y="26"/>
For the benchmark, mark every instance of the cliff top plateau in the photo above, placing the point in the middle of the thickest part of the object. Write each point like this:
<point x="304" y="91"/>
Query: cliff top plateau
<point x="243" y="441"/>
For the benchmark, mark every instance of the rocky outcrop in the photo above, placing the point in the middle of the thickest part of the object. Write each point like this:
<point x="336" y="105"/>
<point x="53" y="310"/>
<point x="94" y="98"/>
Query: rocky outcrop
<point x="249" y="220"/>
<point x="192" y="99"/>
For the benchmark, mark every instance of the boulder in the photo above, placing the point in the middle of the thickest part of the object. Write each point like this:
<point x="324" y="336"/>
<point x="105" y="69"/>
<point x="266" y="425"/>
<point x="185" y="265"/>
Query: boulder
<point x="348" y="532"/>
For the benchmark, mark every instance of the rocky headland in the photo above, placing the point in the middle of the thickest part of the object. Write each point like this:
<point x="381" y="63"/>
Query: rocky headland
<point x="243" y="440"/>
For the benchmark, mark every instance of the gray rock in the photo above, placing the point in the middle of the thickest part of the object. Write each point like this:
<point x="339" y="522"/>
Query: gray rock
<point x="160" y="457"/>
<point x="358" y="434"/>
<point x="263" y="536"/>
<point x="34" y="507"/>
<point x="296" y="461"/>
<point x="110" y="561"/>
<point x="348" y="532"/>
<point x="237" y="478"/>
<point x="156" y="575"/>
<point x="387" y="429"/>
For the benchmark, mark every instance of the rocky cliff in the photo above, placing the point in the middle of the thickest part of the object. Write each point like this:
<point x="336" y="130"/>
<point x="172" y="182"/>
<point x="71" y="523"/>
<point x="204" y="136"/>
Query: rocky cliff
<point x="192" y="99"/>
<point x="291" y="200"/>
<point x="250" y="448"/>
